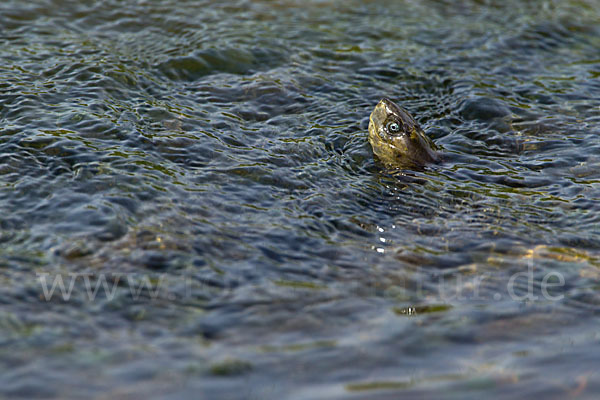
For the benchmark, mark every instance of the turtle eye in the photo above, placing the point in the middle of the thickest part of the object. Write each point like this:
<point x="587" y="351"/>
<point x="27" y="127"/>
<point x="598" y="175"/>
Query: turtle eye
<point x="393" y="127"/>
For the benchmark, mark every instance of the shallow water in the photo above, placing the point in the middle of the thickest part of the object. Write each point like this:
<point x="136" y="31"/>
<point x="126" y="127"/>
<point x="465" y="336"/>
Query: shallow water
<point x="197" y="175"/>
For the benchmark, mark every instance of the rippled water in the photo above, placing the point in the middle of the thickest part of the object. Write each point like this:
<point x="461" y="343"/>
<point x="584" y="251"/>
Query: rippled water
<point x="197" y="172"/>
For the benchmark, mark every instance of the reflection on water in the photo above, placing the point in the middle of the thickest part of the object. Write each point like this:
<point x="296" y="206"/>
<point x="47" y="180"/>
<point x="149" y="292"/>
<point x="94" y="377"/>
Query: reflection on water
<point x="190" y="207"/>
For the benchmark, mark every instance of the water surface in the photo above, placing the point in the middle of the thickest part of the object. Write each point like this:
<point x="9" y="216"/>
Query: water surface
<point x="197" y="175"/>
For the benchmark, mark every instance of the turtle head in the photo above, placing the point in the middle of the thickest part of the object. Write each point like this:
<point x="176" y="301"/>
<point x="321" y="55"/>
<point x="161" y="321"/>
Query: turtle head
<point x="396" y="138"/>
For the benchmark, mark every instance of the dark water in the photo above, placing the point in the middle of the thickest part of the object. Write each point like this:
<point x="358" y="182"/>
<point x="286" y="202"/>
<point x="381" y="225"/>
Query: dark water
<point x="197" y="172"/>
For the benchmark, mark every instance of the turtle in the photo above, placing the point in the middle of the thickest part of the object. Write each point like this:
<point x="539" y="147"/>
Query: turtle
<point x="397" y="139"/>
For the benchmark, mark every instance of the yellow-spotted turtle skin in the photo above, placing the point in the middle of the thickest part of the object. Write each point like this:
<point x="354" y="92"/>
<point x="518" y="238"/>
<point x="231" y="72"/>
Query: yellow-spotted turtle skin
<point x="396" y="138"/>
